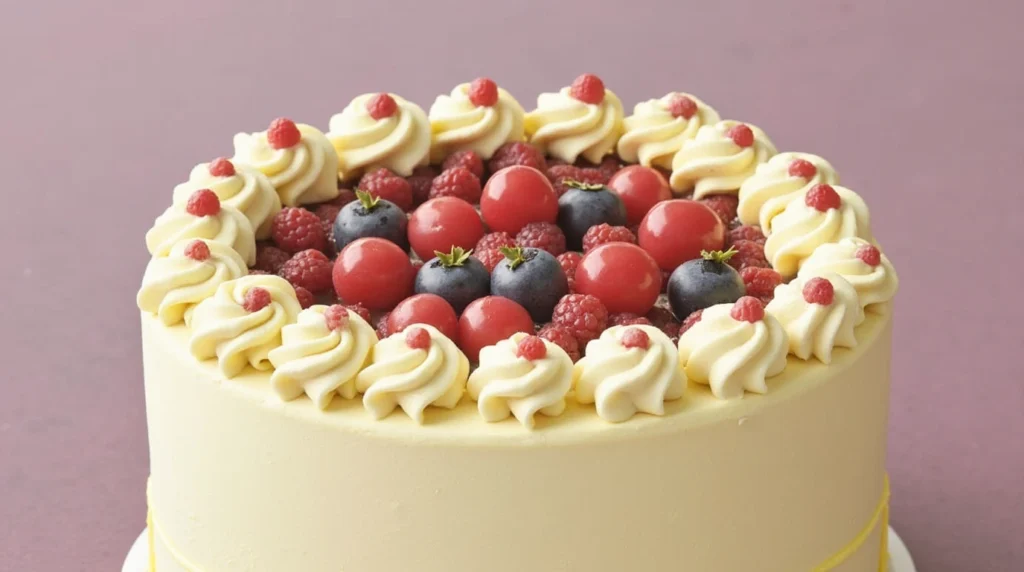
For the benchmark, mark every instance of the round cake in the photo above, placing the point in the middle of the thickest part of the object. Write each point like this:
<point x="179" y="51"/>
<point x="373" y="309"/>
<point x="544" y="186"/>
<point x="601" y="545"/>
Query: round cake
<point x="483" y="338"/>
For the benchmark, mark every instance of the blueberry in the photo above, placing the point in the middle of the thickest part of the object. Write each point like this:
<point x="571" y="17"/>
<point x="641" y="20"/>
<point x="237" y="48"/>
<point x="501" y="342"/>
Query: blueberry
<point x="371" y="216"/>
<point x="531" y="277"/>
<point x="457" y="277"/>
<point x="584" y="206"/>
<point x="703" y="282"/>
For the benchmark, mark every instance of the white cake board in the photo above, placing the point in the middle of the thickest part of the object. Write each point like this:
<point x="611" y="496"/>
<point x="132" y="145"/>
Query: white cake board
<point x="899" y="557"/>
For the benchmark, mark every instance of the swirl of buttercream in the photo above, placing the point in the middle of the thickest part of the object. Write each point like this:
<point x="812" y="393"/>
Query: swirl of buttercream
<point x="411" y="378"/>
<point x="653" y="135"/>
<point x="400" y="142"/>
<point x="769" y="190"/>
<point x="302" y="174"/>
<point x="732" y="355"/>
<point x="248" y="190"/>
<point x="229" y="226"/>
<point x="874" y="284"/>
<point x="318" y="361"/>
<point x="223" y="328"/>
<point x="174" y="284"/>
<point x="457" y="124"/>
<point x="799" y="229"/>
<point x="623" y="381"/>
<point x="815" y="329"/>
<point x="505" y="383"/>
<point x="565" y="127"/>
<point x="712" y="163"/>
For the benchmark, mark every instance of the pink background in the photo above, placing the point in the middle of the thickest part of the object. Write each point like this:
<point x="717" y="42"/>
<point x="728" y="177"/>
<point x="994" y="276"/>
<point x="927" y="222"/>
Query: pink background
<point x="106" y="105"/>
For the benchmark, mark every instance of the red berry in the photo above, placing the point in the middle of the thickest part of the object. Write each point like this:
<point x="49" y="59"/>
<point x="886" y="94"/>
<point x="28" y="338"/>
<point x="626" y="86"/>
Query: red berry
<point x="420" y="182"/>
<point x="869" y="255"/>
<point x="429" y="309"/>
<point x="562" y="338"/>
<point x="559" y="175"/>
<point x="483" y="92"/>
<point x="327" y="212"/>
<point x="588" y="88"/>
<point x="256" y="299"/>
<point x="747" y="309"/>
<point x="516" y="196"/>
<point x="382" y="327"/>
<point x="203" y="202"/>
<point x="663" y="319"/>
<point x="822" y="197"/>
<point x="360" y="310"/>
<point x="517" y="153"/>
<point x="457" y="182"/>
<point x="748" y="253"/>
<point x="584" y="316"/>
<point x="489" y="257"/>
<point x="803" y="169"/>
<point x="221" y="167"/>
<point x="489" y="320"/>
<point x="381" y="106"/>
<point x="680" y="105"/>
<point x="543" y="235"/>
<point x="531" y="348"/>
<point x="417" y="339"/>
<point x="627" y="319"/>
<point x="723" y="205"/>
<point x="345" y="196"/>
<point x="623" y="276"/>
<point x="569" y="262"/>
<point x="466" y="159"/>
<point x="760" y="282"/>
<point x="605" y="233"/>
<point x="819" y="290"/>
<point x="493" y="241"/>
<point x="306" y="298"/>
<point x="270" y="258"/>
<point x="386" y="185"/>
<point x="635" y="338"/>
<point x="373" y="272"/>
<point x="745" y="232"/>
<point x="441" y="223"/>
<point x="197" y="250"/>
<point x="678" y="230"/>
<point x="295" y="229"/>
<point x="640" y="188"/>
<point x="741" y="134"/>
<point x="283" y="133"/>
<point x="310" y="269"/>
<point x="336" y="317"/>
<point x="690" y="321"/>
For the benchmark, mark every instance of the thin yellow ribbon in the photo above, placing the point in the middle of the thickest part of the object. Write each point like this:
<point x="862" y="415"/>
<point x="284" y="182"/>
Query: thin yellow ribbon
<point x="879" y="520"/>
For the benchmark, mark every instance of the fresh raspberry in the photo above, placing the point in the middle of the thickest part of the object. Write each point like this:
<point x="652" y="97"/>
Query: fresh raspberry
<point x="489" y="257"/>
<point x="869" y="255"/>
<point x="483" y="92"/>
<point x="690" y="321"/>
<point x="822" y="197"/>
<point x="803" y="169"/>
<point x="345" y="196"/>
<point x="382" y="327"/>
<point x="663" y="319"/>
<point x="635" y="338"/>
<point x="760" y="282"/>
<point x="310" y="269"/>
<point x="257" y="272"/>
<point x="494" y="240"/>
<point x="723" y="205"/>
<point x="627" y="319"/>
<point x="306" y="298"/>
<point x="748" y="253"/>
<point x="531" y="348"/>
<point x="270" y="258"/>
<point x="605" y="233"/>
<point x="569" y="261"/>
<point x="283" y="133"/>
<point x="583" y="315"/>
<point x="680" y="105"/>
<point x="221" y="167"/>
<point x="610" y="165"/>
<point x="203" y="202"/>
<point x="381" y="106"/>
<point x="745" y="232"/>
<point x="562" y="338"/>
<point x="336" y="317"/>
<point x="417" y="338"/>
<point x="457" y="182"/>
<point x="588" y="88"/>
<point x="295" y="229"/>
<point x="360" y="310"/>
<point x="747" y="309"/>
<point x="467" y="159"/>
<point x="256" y="299"/>
<point x="327" y="212"/>
<point x="819" y="290"/>
<point x="543" y="235"/>
<point x="741" y="134"/>
<point x="420" y="181"/>
<point x="197" y="250"/>
<point x="559" y="175"/>
<point x="517" y="153"/>
<point x="386" y="185"/>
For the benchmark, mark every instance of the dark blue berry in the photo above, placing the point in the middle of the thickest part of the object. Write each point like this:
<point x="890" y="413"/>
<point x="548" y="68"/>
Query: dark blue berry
<point x="584" y="206"/>
<point x="703" y="282"/>
<point x="457" y="277"/>
<point x="531" y="277"/>
<point x="370" y="216"/>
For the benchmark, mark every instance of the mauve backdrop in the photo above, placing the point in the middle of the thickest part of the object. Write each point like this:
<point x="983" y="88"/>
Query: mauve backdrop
<point x="106" y="105"/>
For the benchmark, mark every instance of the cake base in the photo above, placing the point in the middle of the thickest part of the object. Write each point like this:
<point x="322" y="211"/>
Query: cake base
<point x="899" y="556"/>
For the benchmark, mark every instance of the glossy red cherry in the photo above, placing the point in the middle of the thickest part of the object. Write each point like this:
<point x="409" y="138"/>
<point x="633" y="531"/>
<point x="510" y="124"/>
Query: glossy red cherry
<point x="489" y="320"/>
<point x="373" y="272"/>
<point x="516" y="196"/>
<point x="429" y="309"/>
<point x="676" y="231"/>
<point x="640" y="189"/>
<point x="441" y="223"/>
<point x="623" y="276"/>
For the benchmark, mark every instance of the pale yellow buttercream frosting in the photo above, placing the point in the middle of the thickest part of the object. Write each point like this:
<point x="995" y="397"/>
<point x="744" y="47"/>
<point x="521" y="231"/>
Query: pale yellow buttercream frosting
<point x="874" y="284"/>
<point x="769" y="190"/>
<point x="815" y="329"/>
<point x="457" y="124"/>
<point x="653" y="135"/>
<point x="229" y="226"/>
<point x="567" y="128"/>
<point x="400" y="142"/>
<point x="712" y="163"/>
<point x="248" y="190"/>
<point x="302" y="174"/>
